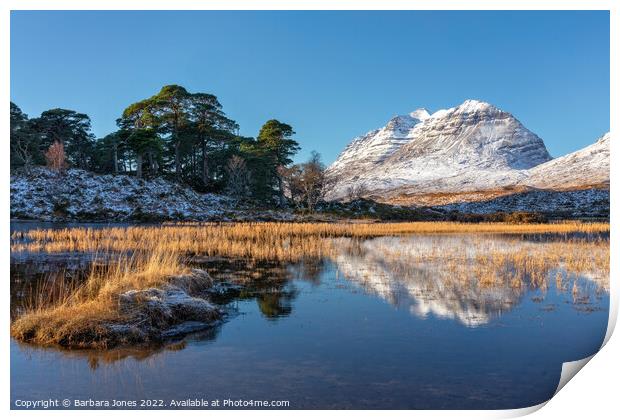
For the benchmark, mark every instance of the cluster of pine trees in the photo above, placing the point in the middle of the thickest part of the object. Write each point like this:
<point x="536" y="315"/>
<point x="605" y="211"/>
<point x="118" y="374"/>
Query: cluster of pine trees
<point x="175" y="134"/>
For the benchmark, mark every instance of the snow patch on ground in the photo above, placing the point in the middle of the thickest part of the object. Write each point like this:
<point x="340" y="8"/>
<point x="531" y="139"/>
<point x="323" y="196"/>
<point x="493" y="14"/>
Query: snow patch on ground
<point x="81" y="195"/>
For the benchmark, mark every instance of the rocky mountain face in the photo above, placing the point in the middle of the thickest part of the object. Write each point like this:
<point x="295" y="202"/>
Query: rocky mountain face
<point x="370" y="150"/>
<point x="471" y="152"/>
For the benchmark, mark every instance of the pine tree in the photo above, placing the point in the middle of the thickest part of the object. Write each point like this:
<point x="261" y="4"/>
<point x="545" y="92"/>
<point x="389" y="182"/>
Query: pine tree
<point x="276" y="149"/>
<point x="72" y="129"/>
<point x="24" y="143"/>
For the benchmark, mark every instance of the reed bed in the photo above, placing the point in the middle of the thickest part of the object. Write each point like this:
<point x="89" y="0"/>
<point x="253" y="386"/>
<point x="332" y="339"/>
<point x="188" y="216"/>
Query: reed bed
<point x="268" y="241"/>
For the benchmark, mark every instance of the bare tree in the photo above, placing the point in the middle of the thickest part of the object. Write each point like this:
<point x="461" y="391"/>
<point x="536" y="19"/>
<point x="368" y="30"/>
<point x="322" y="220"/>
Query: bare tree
<point x="290" y="183"/>
<point x="238" y="177"/>
<point x="304" y="182"/>
<point x="313" y="181"/>
<point x="56" y="158"/>
<point x="19" y="147"/>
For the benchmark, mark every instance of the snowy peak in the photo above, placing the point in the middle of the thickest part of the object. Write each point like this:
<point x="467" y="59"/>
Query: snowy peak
<point x="477" y="134"/>
<point x="470" y="106"/>
<point x="420" y="114"/>
<point x="472" y="146"/>
<point x="473" y="105"/>
<point x="399" y="125"/>
<point x="472" y="150"/>
<point x="377" y="145"/>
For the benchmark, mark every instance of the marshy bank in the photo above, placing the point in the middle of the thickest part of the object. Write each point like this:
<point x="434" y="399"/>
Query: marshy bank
<point x="141" y="298"/>
<point x="268" y="240"/>
<point x="147" y="284"/>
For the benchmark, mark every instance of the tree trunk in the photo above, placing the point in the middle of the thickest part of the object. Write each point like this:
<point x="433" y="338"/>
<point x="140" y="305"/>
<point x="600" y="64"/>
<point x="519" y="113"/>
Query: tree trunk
<point x="281" y="191"/>
<point x="149" y="156"/>
<point x="139" y="166"/>
<point x="115" y="159"/>
<point x="153" y="167"/>
<point x="177" y="159"/>
<point x="205" y="165"/>
<point x="27" y="165"/>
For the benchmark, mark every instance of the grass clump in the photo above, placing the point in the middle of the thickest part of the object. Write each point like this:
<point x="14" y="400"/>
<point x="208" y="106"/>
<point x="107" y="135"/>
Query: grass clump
<point x="129" y="301"/>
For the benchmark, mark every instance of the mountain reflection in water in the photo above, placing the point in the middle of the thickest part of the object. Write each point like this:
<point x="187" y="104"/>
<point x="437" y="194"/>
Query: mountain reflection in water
<point x="437" y="275"/>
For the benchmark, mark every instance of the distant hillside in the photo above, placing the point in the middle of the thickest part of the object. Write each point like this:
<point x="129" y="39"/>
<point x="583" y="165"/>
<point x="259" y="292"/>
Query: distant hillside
<point x="579" y="204"/>
<point x="588" y="167"/>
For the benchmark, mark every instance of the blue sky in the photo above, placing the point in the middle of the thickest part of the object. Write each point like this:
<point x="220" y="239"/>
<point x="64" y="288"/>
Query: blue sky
<point x="331" y="75"/>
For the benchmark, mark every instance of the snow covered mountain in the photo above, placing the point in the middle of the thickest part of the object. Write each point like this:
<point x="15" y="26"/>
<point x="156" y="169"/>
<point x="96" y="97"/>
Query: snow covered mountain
<point x="365" y="152"/>
<point x="470" y="152"/>
<point x="588" y="167"/>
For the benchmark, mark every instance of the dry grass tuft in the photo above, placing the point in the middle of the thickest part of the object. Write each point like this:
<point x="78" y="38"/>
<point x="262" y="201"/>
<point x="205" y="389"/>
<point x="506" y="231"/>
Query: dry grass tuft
<point x="82" y="315"/>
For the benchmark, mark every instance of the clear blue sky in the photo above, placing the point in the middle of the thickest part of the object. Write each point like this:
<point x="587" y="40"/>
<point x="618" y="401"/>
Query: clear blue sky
<point x="331" y="75"/>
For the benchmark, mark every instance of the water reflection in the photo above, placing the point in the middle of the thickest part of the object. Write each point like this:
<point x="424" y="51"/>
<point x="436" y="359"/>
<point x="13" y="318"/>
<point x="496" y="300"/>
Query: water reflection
<point x="472" y="279"/>
<point x="452" y="276"/>
<point x="324" y="333"/>
<point x="98" y="359"/>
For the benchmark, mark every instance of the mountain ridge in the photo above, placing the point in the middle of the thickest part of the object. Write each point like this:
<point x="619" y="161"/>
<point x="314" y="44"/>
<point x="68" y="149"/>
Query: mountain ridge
<point x="472" y="149"/>
<point x="561" y="173"/>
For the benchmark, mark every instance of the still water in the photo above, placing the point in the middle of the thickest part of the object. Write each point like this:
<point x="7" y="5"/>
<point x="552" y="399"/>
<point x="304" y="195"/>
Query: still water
<point x="384" y="323"/>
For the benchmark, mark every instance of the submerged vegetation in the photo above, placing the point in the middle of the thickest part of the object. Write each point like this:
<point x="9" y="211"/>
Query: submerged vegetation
<point x="141" y="287"/>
